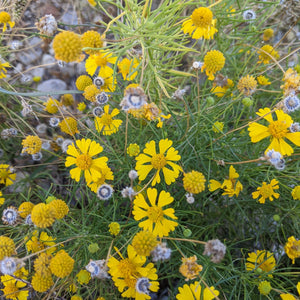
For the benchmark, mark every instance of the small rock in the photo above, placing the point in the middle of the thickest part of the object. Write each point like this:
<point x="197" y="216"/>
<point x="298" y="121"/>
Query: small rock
<point x="69" y="17"/>
<point x="47" y="60"/>
<point x="52" y="85"/>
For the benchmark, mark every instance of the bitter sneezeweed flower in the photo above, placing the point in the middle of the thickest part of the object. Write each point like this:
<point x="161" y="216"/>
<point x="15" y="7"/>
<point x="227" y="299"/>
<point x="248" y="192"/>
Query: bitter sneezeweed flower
<point x="263" y="261"/>
<point x="196" y="291"/>
<point x="266" y="191"/>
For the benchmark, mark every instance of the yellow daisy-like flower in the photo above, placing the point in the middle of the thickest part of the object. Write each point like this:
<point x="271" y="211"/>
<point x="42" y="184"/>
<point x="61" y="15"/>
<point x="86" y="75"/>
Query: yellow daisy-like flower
<point x="101" y="59"/>
<point x="110" y="82"/>
<point x="51" y="106"/>
<point x="291" y="81"/>
<point x="105" y="174"/>
<point x="247" y="85"/>
<point x="194" y="182"/>
<point x="262" y="80"/>
<point x="69" y="125"/>
<point x="127" y="68"/>
<point x="189" y="267"/>
<point x="106" y="124"/>
<point x="92" y="2"/>
<point x="81" y="106"/>
<point x="157" y="219"/>
<point x="266" y="57"/>
<point x="31" y="144"/>
<point x="91" y="39"/>
<point x="43" y="215"/>
<point x="292" y="248"/>
<point x="7" y="247"/>
<point x="82" y="158"/>
<point x="230" y="186"/>
<point x="38" y="242"/>
<point x="3" y="66"/>
<point x="266" y="191"/>
<point x="277" y="130"/>
<point x="61" y="208"/>
<point x="7" y="177"/>
<point x="201" y="24"/>
<point x="14" y="289"/>
<point x="1" y="199"/>
<point x="61" y="265"/>
<point x="128" y="272"/>
<point x="296" y="193"/>
<point x="195" y="291"/>
<point x="159" y="161"/>
<point x="5" y="19"/>
<point x="261" y="261"/>
<point x="220" y="91"/>
<point x="214" y="61"/>
<point x="218" y="127"/>
<point x="114" y="228"/>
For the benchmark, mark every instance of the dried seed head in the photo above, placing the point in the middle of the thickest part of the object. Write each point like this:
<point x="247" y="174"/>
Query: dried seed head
<point x="215" y="249"/>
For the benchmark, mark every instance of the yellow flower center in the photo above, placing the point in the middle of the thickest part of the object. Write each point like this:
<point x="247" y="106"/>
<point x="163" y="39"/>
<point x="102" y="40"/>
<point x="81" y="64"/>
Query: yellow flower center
<point x="11" y="291"/>
<point x="84" y="161"/>
<point x="278" y="129"/>
<point x="127" y="268"/>
<point x="202" y="17"/>
<point x="100" y="60"/>
<point x="106" y="119"/>
<point x="158" y="161"/>
<point x="3" y="174"/>
<point x="155" y="214"/>
<point x="266" y="190"/>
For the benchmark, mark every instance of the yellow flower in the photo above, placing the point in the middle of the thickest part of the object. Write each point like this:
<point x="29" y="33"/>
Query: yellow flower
<point x="81" y="106"/>
<point x="43" y="215"/>
<point x="5" y="19"/>
<point x="261" y="261"/>
<point x="83" y="277"/>
<point x="156" y="221"/>
<point x="110" y="82"/>
<point x="60" y="207"/>
<point x="159" y="161"/>
<point x="268" y="34"/>
<point x="101" y="59"/>
<point x="67" y="99"/>
<point x="133" y="149"/>
<point x="292" y="248"/>
<point x="67" y="46"/>
<point x="92" y="2"/>
<point x="51" y="106"/>
<point x="220" y="91"/>
<point x="296" y="192"/>
<point x="61" y="265"/>
<point x="114" y="228"/>
<point x="189" y="267"/>
<point x="127" y="273"/>
<point x="105" y="174"/>
<point x="266" y="191"/>
<point x="31" y="144"/>
<point x="262" y="80"/>
<point x="127" y="68"/>
<point x="201" y="23"/>
<point x="83" y="159"/>
<point x="7" y="247"/>
<point x="14" y="289"/>
<point x="76" y="297"/>
<point x="40" y="242"/>
<point x="90" y="92"/>
<point x="69" y="126"/>
<point x="195" y="291"/>
<point x="277" y="130"/>
<point x="106" y="124"/>
<point x="289" y="296"/>
<point x="218" y="127"/>
<point x="266" y="57"/>
<point x="214" y="61"/>
<point x="83" y="81"/>
<point x="230" y="186"/>
<point x="25" y="209"/>
<point x="3" y="70"/>
<point x="247" y="85"/>
<point x="42" y="263"/>
<point x="7" y="177"/>
<point x="41" y="283"/>
<point x="91" y="39"/>
<point x="194" y="182"/>
<point x="1" y="199"/>
<point x="291" y="82"/>
<point x="144" y="242"/>
<point x="264" y="287"/>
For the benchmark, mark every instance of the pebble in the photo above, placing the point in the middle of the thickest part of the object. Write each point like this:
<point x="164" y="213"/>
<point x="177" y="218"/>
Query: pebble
<point x="52" y="85"/>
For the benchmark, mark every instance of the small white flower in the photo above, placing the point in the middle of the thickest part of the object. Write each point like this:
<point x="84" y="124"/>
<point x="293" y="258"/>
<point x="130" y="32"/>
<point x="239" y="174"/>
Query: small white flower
<point x="249" y="15"/>
<point x="105" y="191"/>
